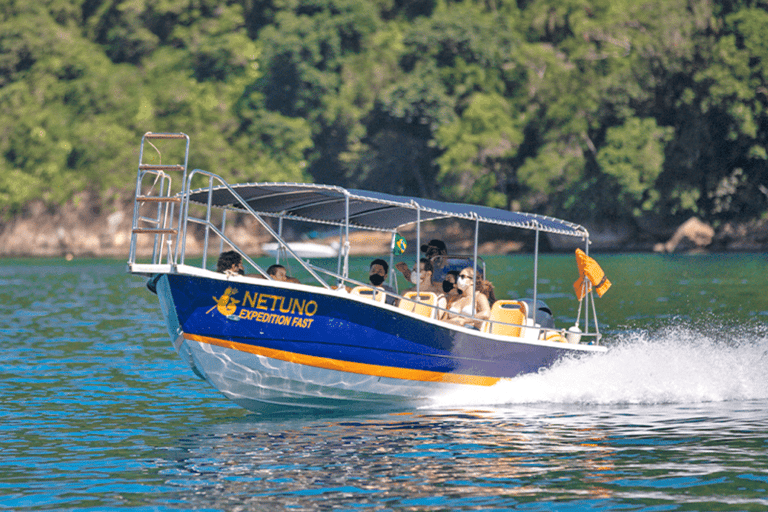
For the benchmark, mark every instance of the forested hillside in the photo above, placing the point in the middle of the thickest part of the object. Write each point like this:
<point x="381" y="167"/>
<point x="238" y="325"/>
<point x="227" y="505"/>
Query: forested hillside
<point x="619" y="110"/>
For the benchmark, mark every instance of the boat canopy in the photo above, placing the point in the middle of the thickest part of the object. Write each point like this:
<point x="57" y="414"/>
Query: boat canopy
<point x="327" y="204"/>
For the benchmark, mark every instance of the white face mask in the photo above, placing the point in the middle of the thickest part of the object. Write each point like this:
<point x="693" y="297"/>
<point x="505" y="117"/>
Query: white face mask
<point x="464" y="283"/>
<point x="422" y="274"/>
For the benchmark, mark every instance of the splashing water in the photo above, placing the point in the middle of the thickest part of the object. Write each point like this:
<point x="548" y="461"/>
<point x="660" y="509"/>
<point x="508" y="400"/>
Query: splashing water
<point x="677" y="364"/>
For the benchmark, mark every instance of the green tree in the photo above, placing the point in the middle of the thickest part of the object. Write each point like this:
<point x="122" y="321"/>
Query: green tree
<point x="478" y="149"/>
<point x="454" y="68"/>
<point x="305" y="50"/>
<point x="57" y="104"/>
<point x="551" y="105"/>
<point x="633" y="156"/>
<point x="73" y="116"/>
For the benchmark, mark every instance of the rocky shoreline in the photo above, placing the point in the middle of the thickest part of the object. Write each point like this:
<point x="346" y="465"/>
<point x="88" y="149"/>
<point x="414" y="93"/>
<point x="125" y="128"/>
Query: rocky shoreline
<point x="85" y="228"/>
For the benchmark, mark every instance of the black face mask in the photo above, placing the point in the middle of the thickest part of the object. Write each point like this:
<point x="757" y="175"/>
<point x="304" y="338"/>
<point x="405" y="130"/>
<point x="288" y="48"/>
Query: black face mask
<point x="448" y="286"/>
<point x="241" y="271"/>
<point x="376" y="279"/>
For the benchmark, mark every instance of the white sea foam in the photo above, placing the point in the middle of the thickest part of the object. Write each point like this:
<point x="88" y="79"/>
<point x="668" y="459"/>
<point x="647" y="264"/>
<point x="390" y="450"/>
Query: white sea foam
<point x="680" y="364"/>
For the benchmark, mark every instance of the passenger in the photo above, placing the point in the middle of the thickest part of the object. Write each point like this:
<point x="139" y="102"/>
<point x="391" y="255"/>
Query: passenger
<point x="434" y="248"/>
<point x="437" y="253"/>
<point x="450" y="294"/>
<point x="230" y="263"/>
<point x="377" y="274"/>
<point x="425" y="275"/>
<point x="468" y="286"/>
<point x="442" y="262"/>
<point x="279" y="273"/>
<point x="486" y="287"/>
<point x="433" y="252"/>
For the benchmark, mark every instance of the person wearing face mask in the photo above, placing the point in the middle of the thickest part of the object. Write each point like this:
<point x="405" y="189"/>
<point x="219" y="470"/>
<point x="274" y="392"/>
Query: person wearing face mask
<point x="377" y="274"/>
<point x="468" y="286"/>
<point x="450" y="294"/>
<point x="231" y="264"/>
<point x="449" y="283"/>
<point x="435" y="251"/>
<point x="423" y="279"/>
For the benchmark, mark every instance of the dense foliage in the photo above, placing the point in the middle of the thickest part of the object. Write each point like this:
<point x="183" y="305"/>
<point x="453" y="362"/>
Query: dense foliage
<point x="594" y="109"/>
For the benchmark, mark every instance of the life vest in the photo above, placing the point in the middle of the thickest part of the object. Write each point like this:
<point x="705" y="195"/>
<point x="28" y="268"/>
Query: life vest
<point x="554" y="336"/>
<point x="591" y="270"/>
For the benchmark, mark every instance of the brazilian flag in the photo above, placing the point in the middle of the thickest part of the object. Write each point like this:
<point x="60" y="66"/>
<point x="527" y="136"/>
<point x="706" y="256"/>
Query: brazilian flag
<point x="400" y="245"/>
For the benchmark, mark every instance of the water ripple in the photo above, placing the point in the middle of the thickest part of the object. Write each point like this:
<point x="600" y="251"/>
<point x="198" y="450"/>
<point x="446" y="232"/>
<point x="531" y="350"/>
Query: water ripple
<point x="98" y="412"/>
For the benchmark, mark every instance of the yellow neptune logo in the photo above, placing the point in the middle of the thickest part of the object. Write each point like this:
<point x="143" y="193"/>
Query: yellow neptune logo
<point x="266" y="308"/>
<point x="226" y="304"/>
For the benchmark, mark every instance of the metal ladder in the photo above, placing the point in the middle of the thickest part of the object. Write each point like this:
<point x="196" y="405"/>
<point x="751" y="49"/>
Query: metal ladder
<point x="164" y="222"/>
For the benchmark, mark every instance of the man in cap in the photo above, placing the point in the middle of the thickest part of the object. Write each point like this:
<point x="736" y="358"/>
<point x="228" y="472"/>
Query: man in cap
<point x="434" y="248"/>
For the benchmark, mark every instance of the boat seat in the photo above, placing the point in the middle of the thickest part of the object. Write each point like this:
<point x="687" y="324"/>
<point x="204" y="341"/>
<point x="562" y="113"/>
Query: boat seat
<point x="421" y="303"/>
<point x="369" y="293"/>
<point x="507" y="311"/>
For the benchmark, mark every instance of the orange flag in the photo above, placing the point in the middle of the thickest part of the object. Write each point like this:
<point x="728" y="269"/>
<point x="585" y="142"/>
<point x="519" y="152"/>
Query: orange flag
<point x="591" y="270"/>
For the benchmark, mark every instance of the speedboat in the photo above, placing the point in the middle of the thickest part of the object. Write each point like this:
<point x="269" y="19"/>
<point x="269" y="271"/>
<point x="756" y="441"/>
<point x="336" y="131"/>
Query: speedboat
<point x="330" y="341"/>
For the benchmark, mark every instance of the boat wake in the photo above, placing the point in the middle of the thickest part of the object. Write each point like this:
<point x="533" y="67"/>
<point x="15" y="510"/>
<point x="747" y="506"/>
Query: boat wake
<point x="672" y="365"/>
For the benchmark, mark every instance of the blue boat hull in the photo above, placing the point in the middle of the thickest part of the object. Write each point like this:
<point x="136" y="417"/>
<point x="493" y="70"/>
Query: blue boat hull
<point x="261" y="342"/>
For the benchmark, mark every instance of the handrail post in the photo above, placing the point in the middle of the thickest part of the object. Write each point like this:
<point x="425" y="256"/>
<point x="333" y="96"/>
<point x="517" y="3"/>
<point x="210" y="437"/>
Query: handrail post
<point x="207" y="220"/>
<point x="184" y="194"/>
<point x="346" y="236"/>
<point x="588" y="292"/>
<point x="165" y="223"/>
<point x="340" y="255"/>
<point x="392" y="260"/>
<point x="418" y="248"/>
<point x="223" y="229"/>
<point x="474" y="264"/>
<point x="183" y="215"/>
<point x="594" y="314"/>
<point x="535" y="275"/>
<point x="591" y="300"/>
<point x="157" y="239"/>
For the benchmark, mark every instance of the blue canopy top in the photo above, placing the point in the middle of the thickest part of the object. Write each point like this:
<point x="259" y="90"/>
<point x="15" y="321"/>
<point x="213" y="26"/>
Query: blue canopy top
<point x="369" y="210"/>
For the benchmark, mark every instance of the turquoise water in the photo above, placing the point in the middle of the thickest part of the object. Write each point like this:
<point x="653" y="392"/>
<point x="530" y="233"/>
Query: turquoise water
<point x="98" y="413"/>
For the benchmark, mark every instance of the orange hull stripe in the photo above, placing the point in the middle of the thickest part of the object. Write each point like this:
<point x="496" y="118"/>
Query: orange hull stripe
<point x="347" y="366"/>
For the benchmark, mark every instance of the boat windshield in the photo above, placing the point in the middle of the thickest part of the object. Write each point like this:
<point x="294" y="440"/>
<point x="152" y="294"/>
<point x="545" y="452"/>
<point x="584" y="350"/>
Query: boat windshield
<point x="444" y="264"/>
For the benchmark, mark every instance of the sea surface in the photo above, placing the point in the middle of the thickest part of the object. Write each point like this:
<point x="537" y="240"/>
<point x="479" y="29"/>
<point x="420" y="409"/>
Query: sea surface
<point x="98" y="413"/>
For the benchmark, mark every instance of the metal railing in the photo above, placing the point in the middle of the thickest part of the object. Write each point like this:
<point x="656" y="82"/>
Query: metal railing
<point x="210" y="227"/>
<point x="165" y="225"/>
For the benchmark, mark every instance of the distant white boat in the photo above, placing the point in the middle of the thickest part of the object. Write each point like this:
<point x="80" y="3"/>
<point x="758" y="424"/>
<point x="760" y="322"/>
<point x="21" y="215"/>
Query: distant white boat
<point x="305" y="249"/>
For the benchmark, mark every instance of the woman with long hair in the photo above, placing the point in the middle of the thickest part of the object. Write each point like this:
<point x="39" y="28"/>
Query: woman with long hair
<point x="461" y="312"/>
